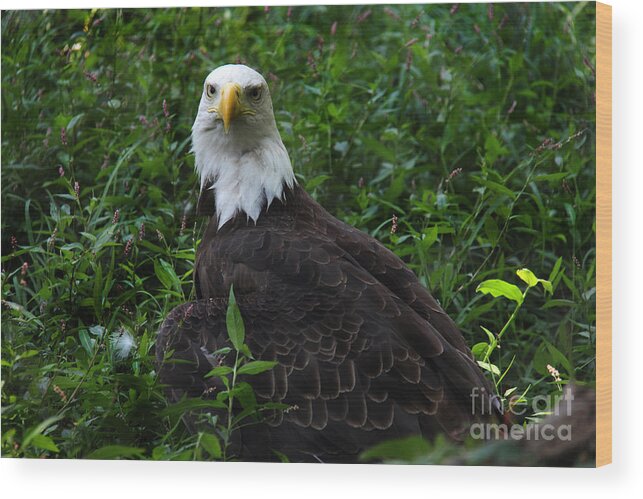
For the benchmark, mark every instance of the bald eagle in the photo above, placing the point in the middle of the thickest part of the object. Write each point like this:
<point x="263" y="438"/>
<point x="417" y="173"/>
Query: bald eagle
<point x="364" y="352"/>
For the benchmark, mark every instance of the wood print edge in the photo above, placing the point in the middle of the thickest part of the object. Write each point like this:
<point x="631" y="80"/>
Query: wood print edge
<point x="603" y="234"/>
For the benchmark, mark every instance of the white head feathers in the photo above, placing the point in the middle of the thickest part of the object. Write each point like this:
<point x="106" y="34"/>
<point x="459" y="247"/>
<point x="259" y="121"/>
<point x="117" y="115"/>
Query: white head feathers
<point x="237" y="145"/>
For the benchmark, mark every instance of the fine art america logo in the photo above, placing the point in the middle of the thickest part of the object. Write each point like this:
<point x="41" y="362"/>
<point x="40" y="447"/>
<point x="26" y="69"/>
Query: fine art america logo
<point x="558" y="409"/>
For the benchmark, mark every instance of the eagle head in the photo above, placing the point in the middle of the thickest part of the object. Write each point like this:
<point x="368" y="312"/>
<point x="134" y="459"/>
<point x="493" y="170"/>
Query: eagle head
<point x="239" y="154"/>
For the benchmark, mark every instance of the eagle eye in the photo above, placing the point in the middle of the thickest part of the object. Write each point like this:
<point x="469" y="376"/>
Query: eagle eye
<point x="255" y="92"/>
<point x="210" y="90"/>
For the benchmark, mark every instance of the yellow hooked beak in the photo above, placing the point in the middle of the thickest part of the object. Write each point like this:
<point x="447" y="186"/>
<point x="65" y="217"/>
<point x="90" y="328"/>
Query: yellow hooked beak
<point x="230" y="106"/>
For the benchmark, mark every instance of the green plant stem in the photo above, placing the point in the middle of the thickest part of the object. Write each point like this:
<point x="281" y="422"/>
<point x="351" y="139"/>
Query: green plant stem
<point x="506" y="326"/>
<point x="230" y="403"/>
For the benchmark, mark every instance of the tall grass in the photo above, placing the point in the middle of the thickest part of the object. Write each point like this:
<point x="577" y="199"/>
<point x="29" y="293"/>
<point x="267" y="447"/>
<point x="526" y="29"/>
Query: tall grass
<point x="462" y="137"/>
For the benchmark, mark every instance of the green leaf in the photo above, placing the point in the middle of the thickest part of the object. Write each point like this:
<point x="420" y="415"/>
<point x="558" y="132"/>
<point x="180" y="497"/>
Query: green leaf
<point x="39" y="429"/>
<point x="26" y="355"/>
<point x="282" y="457"/>
<point x="241" y="417"/>
<point x="571" y="213"/>
<point x="98" y="290"/>
<point x="495" y="186"/>
<point x="559" y="358"/>
<point x="333" y="110"/>
<point x="487" y="366"/>
<point x="44" y="442"/>
<point x="22" y="310"/>
<point x="234" y="323"/>
<point x="245" y="394"/>
<point x="403" y="449"/>
<point x="116" y="452"/>
<point x="493" y="149"/>
<point x="490" y="335"/>
<point x="527" y="276"/>
<point x="531" y="280"/>
<point x="498" y="287"/>
<point x="89" y="236"/>
<point x="246" y="351"/>
<point x="219" y="371"/>
<point x="509" y="391"/>
<point x="380" y="149"/>
<point x="72" y="122"/>
<point x="256" y="367"/>
<point x="555" y="270"/>
<point x="479" y="350"/>
<point x="493" y="341"/>
<point x="491" y="230"/>
<point x="211" y="444"/>
<point x="222" y="351"/>
<point x="552" y="177"/>
<point x="86" y="342"/>
<point x="166" y="274"/>
<point x="316" y="182"/>
<point x="547" y="285"/>
<point x="559" y="303"/>
<point x="428" y="237"/>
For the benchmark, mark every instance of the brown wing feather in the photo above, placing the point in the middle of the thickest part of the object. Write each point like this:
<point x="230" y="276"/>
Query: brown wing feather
<point x="205" y="205"/>
<point x="184" y="347"/>
<point x="385" y="266"/>
<point x="365" y="353"/>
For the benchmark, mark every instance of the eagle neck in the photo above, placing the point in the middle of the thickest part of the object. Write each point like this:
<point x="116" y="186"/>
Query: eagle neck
<point x="246" y="180"/>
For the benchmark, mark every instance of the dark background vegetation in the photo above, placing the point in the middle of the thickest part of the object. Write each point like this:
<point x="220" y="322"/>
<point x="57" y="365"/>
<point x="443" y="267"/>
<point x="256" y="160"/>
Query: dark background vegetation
<point x="462" y="137"/>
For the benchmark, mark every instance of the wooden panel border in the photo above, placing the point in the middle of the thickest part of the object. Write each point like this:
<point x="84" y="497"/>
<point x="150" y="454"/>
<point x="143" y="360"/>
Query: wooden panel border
<point x="603" y="234"/>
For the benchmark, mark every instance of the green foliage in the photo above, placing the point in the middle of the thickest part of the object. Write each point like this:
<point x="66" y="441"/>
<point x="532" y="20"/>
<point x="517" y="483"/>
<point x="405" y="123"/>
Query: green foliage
<point x="235" y="390"/>
<point x="463" y="139"/>
<point x="235" y="401"/>
<point x="499" y="288"/>
<point x="403" y="450"/>
<point x="234" y="323"/>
